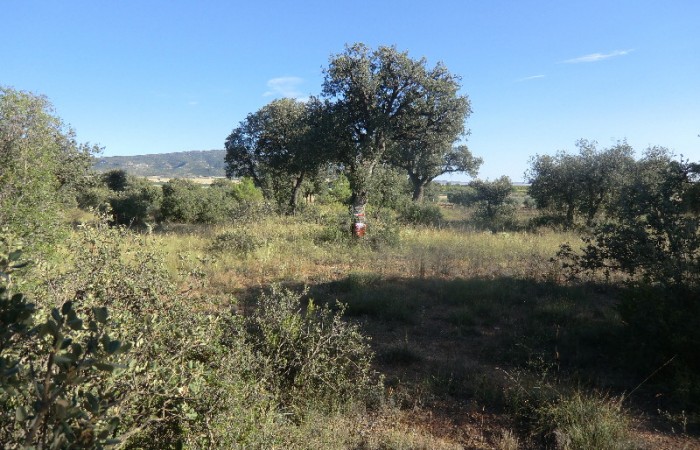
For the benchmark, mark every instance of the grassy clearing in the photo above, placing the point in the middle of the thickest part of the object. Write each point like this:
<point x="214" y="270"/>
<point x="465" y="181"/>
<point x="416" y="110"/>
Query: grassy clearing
<point x="476" y="334"/>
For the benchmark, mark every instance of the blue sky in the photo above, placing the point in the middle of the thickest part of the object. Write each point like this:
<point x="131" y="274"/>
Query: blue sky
<point x="158" y="76"/>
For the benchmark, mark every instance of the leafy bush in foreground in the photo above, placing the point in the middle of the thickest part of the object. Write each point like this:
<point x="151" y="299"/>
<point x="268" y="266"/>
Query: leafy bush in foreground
<point x="54" y="374"/>
<point x="192" y="378"/>
<point x="309" y="357"/>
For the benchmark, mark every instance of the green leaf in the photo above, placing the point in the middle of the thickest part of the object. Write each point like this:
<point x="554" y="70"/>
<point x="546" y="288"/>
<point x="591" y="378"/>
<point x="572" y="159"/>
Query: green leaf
<point x="20" y="414"/>
<point x="76" y="324"/>
<point x="76" y="349"/>
<point x="49" y="327"/>
<point x="61" y="408"/>
<point x="65" y="343"/>
<point x="92" y="403"/>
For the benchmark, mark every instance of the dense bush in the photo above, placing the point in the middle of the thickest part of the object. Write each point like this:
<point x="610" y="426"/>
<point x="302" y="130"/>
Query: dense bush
<point x="308" y="356"/>
<point x="138" y="204"/>
<point x="421" y="214"/>
<point x="494" y="207"/>
<point x="237" y="241"/>
<point x="55" y="372"/>
<point x="187" y="202"/>
<point x="192" y="378"/>
<point x="653" y="240"/>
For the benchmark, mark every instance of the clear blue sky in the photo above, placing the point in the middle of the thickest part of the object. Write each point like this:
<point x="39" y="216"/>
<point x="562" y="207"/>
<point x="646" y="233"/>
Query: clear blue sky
<point x="159" y="76"/>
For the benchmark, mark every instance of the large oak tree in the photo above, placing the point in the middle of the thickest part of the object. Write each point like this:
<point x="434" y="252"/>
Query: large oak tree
<point x="383" y="99"/>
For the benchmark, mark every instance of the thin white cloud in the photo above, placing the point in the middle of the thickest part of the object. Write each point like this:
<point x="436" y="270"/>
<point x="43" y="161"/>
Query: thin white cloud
<point x="193" y="103"/>
<point x="533" y="77"/>
<point x="595" y="57"/>
<point x="284" y="87"/>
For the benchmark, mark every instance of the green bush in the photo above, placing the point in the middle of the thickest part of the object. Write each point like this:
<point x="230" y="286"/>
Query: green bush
<point x="308" y="356"/>
<point x="581" y="422"/>
<point x="55" y="388"/>
<point x="421" y="214"/>
<point x="237" y="241"/>
<point x="138" y="204"/>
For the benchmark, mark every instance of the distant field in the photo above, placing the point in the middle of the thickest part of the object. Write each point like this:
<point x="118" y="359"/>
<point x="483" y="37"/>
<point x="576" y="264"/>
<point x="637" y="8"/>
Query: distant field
<point x="198" y="180"/>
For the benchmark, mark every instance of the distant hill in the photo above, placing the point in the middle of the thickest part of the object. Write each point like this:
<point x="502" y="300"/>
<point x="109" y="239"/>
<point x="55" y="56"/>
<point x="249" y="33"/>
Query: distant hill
<point x="196" y="163"/>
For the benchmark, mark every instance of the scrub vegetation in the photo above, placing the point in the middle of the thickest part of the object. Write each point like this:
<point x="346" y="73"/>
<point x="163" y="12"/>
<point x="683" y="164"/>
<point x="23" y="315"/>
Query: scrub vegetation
<point x="246" y="315"/>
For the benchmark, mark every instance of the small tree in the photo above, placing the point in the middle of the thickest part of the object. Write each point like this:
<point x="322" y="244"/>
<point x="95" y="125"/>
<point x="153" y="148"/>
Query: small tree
<point x="494" y="209"/>
<point x="424" y="163"/>
<point x="651" y="238"/>
<point x="274" y="147"/>
<point x="41" y="165"/>
<point x="135" y="202"/>
<point x="182" y="201"/>
<point x="651" y="234"/>
<point x="582" y="184"/>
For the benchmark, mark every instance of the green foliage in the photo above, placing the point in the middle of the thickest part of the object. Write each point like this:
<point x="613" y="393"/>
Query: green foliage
<point x="42" y="166"/>
<point x="421" y="214"/>
<point x="197" y="378"/>
<point x="425" y="162"/>
<point x="652" y="236"/>
<point x="582" y="184"/>
<point x="383" y="99"/>
<point x="494" y="210"/>
<point x="465" y="196"/>
<point x="390" y="188"/>
<point x="116" y="180"/>
<point x="55" y="374"/>
<point x="309" y="357"/>
<point x="181" y="201"/>
<point x="138" y="203"/>
<point x="581" y="422"/>
<point x="237" y="241"/>
<point x="337" y="191"/>
<point x="187" y="202"/>
<point x="276" y="148"/>
<point x="654" y="242"/>
<point x="243" y="191"/>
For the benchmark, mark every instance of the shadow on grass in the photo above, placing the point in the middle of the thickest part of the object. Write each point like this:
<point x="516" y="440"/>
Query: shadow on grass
<point x="467" y="340"/>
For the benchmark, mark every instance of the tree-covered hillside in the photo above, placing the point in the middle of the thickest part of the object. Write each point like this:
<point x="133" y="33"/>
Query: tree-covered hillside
<point x="195" y="163"/>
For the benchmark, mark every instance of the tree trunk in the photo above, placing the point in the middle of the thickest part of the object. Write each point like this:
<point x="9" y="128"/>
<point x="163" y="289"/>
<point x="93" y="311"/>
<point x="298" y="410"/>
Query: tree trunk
<point x="570" y="216"/>
<point x="359" y="225"/>
<point x="418" y="191"/>
<point x="294" y="200"/>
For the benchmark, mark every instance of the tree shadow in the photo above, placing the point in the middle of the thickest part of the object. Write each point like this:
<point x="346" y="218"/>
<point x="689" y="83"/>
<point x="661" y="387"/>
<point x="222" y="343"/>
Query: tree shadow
<point x="467" y="341"/>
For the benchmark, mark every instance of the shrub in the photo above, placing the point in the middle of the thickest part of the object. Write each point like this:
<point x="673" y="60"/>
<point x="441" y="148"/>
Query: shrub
<point x="137" y="204"/>
<point x="309" y="357"/>
<point x="421" y="214"/>
<point x="238" y="241"/>
<point x="580" y="422"/>
<point x="55" y="374"/>
<point x="181" y="201"/>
